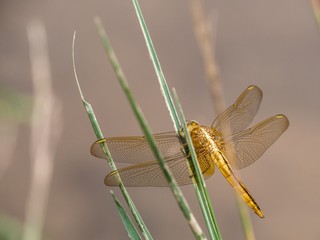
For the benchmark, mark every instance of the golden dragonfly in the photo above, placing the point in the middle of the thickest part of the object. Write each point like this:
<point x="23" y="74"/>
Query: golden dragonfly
<point x="228" y="144"/>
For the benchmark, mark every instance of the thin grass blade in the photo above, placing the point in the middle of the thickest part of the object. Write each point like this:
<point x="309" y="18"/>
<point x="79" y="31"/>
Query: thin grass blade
<point x="162" y="81"/>
<point x="200" y="185"/>
<point x="205" y="205"/>
<point x="99" y="135"/>
<point x="131" y="229"/>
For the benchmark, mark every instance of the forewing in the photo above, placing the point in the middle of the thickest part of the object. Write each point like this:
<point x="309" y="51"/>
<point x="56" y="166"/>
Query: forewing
<point x="149" y="174"/>
<point x="136" y="149"/>
<point x="244" y="148"/>
<point x="239" y="116"/>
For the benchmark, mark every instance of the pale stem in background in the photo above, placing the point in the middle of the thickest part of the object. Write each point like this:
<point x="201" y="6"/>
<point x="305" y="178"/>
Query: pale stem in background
<point x="46" y="126"/>
<point x="203" y="31"/>
<point x="316" y="10"/>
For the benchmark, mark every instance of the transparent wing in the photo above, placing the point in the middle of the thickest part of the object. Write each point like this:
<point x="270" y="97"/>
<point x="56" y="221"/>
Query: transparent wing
<point x="149" y="174"/>
<point x="239" y="116"/>
<point x="244" y="148"/>
<point x="136" y="149"/>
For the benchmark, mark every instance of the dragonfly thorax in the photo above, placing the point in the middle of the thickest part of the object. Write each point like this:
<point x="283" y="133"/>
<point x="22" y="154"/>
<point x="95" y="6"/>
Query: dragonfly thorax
<point x="215" y="135"/>
<point x="203" y="138"/>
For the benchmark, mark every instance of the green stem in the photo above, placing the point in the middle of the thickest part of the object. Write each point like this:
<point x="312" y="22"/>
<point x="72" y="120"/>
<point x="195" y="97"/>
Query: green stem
<point x="203" y="198"/>
<point x="131" y="229"/>
<point x="164" y="86"/>
<point x="199" y="184"/>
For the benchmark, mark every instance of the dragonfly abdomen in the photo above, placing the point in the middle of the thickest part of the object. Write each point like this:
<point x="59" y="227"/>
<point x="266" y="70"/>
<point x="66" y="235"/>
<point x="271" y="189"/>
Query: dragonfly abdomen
<point x="236" y="183"/>
<point x="246" y="196"/>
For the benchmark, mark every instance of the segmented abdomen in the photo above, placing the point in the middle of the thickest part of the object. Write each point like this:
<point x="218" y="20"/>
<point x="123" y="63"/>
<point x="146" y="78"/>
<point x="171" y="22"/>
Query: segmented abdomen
<point x="235" y="182"/>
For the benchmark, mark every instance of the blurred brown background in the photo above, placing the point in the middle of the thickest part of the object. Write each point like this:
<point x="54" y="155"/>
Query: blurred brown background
<point x="272" y="44"/>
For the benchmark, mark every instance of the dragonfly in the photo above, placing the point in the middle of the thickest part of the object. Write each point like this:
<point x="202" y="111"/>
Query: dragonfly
<point x="228" y="144"/>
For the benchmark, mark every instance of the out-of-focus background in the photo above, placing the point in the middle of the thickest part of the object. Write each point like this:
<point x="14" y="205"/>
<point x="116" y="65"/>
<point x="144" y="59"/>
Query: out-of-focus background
<point x="272" y="44"/>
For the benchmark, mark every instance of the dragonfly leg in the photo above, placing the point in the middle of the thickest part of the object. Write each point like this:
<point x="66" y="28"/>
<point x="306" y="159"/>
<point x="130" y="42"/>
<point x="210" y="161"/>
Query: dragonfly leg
<point x="203" y="171"/>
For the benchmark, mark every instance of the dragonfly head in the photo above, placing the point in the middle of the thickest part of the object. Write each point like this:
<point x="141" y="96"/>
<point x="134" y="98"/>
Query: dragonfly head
<point x="192" y="126"/>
